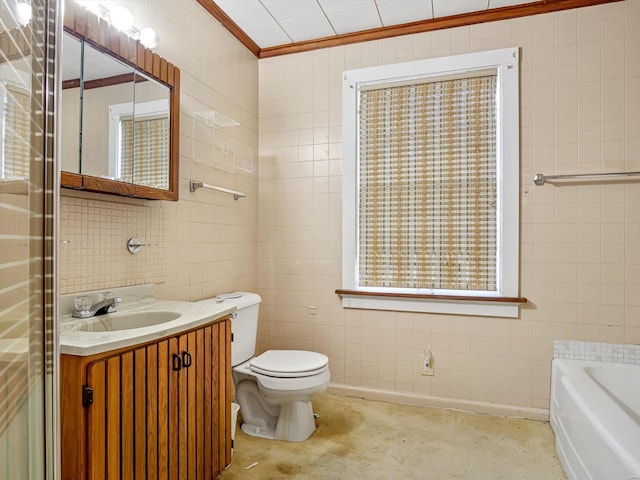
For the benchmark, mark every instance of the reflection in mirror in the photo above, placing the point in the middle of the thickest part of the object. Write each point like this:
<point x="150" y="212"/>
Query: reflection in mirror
<point x="70" y="104"/>
<point x="140" y="132"/>
<point x="106" y="83"/>
<point x="15" y="111"/>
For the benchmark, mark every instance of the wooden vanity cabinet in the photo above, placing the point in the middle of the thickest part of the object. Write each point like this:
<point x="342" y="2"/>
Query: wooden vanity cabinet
<point x="161" y="410"/>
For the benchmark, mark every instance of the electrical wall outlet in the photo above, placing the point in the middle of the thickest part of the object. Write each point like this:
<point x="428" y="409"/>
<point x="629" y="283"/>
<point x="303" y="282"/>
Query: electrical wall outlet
<point x="426" y="362"/>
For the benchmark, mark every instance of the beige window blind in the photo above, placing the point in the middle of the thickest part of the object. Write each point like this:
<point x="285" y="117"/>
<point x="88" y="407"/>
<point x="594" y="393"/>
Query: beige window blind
<point x="146" y="138"/>
<point x="16" y="132"/>
<point x="427" y="185"/>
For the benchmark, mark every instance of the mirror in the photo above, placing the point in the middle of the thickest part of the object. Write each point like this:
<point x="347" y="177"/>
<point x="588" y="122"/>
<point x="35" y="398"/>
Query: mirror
<point x="120" y="105"/>
<point x="70" y="104"/>
<point x="106" y="85"/>
<point x="147" y="135"/>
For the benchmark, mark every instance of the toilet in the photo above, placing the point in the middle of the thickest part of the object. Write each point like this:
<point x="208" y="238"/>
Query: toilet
<point x="273" y="389"/>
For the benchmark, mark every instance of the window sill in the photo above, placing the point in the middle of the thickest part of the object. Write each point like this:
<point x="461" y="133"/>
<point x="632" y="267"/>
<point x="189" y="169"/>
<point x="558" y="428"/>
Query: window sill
<point x="451" y="304"/>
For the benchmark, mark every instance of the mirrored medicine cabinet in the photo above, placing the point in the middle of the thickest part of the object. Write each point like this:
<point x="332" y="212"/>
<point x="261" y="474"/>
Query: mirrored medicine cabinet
<point x="119" y="112"/>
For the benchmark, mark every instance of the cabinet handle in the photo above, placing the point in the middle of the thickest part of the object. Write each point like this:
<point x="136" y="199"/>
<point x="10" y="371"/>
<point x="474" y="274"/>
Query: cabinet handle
<point x="186" y="359"/>
<point x="176" y="362"/>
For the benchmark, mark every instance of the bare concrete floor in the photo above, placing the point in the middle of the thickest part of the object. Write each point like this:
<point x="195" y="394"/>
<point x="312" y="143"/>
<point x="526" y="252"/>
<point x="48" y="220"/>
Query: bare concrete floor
<point x="360" y="439"/>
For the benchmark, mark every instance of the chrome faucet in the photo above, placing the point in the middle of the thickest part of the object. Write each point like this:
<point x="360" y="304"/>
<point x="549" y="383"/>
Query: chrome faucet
<point x="108" y="305"/>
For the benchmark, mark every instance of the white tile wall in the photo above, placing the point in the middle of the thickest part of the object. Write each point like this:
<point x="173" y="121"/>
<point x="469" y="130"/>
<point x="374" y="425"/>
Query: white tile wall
<point x="580" y="243"/>
<point x="210" y="240"/>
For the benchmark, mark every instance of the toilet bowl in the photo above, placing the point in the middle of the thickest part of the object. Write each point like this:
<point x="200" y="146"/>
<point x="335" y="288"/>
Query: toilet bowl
<point x="273" y="389"/>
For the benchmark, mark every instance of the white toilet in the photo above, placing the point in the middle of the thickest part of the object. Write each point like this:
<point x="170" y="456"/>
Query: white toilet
<point x="273" y="389"/>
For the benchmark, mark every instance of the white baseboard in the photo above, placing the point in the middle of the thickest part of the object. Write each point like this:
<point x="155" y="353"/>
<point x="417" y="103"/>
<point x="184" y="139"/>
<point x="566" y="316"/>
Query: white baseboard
<point x="497" y="409"/>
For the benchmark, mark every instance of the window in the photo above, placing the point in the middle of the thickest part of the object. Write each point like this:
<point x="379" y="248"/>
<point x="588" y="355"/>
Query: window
<point x="431" y="176"/>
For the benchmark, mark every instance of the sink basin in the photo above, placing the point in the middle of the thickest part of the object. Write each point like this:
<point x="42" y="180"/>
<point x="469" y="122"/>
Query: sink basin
<point x="128" y="320"/>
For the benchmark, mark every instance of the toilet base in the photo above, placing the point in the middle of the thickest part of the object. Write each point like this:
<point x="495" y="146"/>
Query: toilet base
<point x="255" y="431"/>
<point x="296" y="423"/>
<point x="292" y="421"/>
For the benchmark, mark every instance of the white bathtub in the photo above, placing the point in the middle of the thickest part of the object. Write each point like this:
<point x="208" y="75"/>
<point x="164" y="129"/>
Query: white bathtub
<point x="595" y="414"/>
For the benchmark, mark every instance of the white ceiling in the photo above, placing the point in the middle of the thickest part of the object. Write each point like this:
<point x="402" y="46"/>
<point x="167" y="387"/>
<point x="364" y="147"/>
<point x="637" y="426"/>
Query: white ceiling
<point x="280" y="22"/>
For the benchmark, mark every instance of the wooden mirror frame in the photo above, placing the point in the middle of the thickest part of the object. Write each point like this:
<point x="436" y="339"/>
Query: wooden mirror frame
<point x="86" y="26"/>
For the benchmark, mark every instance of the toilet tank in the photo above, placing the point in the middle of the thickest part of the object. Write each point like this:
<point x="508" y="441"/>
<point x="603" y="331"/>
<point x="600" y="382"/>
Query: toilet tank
<point x="244" y="326"/>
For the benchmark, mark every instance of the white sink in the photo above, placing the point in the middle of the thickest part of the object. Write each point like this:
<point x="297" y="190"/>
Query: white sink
<point x="140" y="318"/>
<point x="128" y="320"/>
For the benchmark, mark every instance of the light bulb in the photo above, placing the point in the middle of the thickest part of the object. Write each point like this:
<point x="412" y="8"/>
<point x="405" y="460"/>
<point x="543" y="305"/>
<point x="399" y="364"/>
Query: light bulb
<point x="23" y="13"/>
<point x="149" y="37"/>
<point x="121" y="18"/>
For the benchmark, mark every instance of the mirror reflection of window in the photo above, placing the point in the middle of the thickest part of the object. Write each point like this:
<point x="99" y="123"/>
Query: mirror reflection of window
<point x="139" y="147"/>
<point x="15" y="126"/>
<point x="150" y="133"/>
<point x="15" y="114"/>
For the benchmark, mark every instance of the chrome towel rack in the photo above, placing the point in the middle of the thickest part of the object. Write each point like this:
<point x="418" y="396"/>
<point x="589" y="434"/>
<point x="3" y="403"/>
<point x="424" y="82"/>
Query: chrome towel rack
<point x="540" y="179"/>
<point x="193" y="186"/>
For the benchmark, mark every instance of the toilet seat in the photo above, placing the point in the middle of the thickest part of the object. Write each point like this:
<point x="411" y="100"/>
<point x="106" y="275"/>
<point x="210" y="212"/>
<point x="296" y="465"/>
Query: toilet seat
<point x="289" y="363"/>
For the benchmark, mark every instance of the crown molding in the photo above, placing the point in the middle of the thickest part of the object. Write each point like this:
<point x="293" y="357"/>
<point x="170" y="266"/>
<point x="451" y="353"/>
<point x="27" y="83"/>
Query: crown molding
<point x="216" y="12"/>
<point x="471" y="18"/>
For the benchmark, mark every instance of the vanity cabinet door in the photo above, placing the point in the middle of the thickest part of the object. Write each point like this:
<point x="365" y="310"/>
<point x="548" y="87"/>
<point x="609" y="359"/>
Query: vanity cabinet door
<point x="97" y="428"/>
<point x="160" y="411"/>
<point x="208" y="414"/>
<point x="122" y="421"/>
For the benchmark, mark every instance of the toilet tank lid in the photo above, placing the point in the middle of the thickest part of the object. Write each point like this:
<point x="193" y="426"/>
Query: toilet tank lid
<point x="239" y="299"/>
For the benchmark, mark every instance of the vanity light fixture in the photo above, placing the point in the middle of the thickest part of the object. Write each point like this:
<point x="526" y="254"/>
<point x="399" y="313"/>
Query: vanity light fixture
<point x="149" y="37"/>
<point x="23" y="12"/>
<point x="121" y="17"/>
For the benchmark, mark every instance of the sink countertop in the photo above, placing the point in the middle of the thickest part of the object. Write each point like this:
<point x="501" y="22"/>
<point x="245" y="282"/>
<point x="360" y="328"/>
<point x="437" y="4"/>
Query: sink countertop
<point x="74" y="341"/>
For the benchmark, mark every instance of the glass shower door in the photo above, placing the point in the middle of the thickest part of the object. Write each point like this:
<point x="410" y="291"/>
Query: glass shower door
<point x="27" y="201"/>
